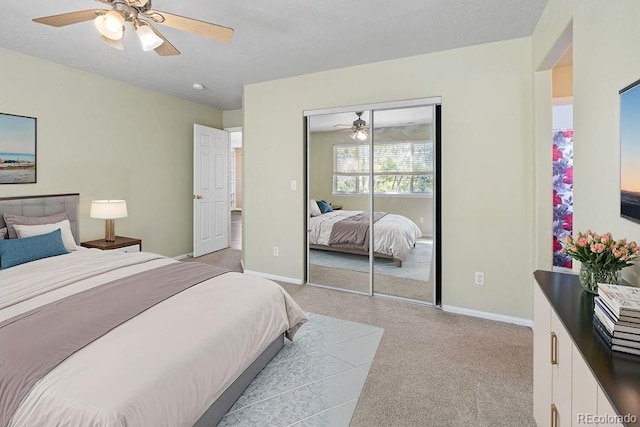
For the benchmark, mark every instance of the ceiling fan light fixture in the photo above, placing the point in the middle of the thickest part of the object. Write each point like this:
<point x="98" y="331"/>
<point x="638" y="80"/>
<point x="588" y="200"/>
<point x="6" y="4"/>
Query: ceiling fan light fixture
<point x="358" y="128"/>
<point x="360" y="135"/>
<point x="148" y="38"/>
<point x="110" y="24"/>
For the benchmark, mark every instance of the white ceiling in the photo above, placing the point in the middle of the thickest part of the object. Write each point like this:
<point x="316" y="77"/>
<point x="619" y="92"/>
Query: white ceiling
<point x="273" y="39"/>
<point x="383" y="118"/>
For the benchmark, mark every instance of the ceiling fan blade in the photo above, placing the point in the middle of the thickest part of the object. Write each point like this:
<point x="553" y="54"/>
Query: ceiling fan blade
<point x="69" y="18"/>
<point x="201" y="28"/>
<point x="166" y="48"/>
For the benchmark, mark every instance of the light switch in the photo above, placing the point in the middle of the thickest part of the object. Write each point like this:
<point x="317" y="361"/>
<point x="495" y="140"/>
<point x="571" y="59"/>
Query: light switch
<point x="294" y="185"/>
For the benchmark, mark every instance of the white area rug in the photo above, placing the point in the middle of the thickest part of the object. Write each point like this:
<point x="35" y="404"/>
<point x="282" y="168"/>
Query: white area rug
<point x="316" y="380"/>
<point x="417" y="266"/>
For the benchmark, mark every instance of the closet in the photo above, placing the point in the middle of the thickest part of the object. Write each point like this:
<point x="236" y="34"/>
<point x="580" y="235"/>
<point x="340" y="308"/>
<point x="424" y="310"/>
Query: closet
<point x="372" y="199"/>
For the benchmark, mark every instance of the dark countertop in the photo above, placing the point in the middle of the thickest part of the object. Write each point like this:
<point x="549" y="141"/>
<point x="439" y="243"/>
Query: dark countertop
<point x="617" y="373"/>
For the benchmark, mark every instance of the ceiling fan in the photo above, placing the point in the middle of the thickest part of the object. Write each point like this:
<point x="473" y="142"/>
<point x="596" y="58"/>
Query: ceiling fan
<point x="139" y="14"/>
<point x="358" y="128"/>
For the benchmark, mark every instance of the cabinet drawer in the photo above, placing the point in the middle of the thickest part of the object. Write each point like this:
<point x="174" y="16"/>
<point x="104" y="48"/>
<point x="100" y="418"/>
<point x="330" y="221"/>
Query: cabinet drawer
<point x="607" y="416"/>
<point x="128" y="249"/>
<point x="541" y="358"/>
<point x="584" y="399"/>
<point x="561" y="371"/>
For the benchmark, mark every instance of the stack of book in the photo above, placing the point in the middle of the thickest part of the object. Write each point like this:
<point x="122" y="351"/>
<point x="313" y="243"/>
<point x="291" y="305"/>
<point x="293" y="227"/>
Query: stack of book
<point x="616" y="317"/>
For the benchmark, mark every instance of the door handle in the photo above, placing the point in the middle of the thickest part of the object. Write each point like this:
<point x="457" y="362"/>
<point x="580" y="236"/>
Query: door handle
<point x="554" y="348"/>
<point x="198" y="197"/>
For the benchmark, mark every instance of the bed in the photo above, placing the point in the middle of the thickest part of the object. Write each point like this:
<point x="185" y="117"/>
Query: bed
<point x="182" y="361"/>
<point x="347" y="231"/>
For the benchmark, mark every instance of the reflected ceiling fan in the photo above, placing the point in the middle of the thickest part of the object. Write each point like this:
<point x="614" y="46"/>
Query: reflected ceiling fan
<point x="358" y="128"/>
<point x="139" y="14"/>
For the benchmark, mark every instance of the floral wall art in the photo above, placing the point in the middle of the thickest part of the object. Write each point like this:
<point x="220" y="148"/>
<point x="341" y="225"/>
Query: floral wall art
<point x="562" y="193"/>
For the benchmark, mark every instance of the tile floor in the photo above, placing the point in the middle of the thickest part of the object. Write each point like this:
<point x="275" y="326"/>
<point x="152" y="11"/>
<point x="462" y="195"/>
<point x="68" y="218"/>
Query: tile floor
<point x="313" y="381"/>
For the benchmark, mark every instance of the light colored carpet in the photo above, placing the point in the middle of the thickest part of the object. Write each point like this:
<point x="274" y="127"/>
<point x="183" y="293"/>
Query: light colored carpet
<point x="417" y="266"/>
<point x="226" y="258"/>
<point x="434" y="368"/>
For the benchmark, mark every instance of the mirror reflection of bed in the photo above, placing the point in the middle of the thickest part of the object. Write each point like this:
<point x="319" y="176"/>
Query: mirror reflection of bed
<point x="403" y="210"/>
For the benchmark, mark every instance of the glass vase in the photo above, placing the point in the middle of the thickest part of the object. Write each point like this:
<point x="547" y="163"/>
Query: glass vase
<point x="591" y="275"/>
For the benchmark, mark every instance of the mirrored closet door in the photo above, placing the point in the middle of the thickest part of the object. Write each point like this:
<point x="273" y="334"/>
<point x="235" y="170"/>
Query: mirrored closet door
<point x="370" y="192"/>
<point x="403" y="202"/>
<point x="338" y="192"/>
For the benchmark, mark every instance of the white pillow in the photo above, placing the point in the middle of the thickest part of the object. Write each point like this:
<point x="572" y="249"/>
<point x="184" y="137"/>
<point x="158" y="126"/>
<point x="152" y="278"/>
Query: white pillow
<point x="36" y="230"/>
<point x="314" y="210"/>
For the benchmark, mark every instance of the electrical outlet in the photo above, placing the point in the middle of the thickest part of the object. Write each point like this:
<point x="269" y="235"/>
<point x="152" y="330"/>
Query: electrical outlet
<point x="421" y="220"/>
<point x="275" y="251"/>
<point x="479" y="278"/>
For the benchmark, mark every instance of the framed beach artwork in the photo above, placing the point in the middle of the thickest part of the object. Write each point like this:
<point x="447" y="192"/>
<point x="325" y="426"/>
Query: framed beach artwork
<point x="17" y="149"/>
<point x="630" y="152"/>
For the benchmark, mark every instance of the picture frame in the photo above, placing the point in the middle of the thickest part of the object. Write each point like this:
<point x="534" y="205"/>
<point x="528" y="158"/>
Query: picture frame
<point x="18" y="149"/>
<point x="630" y="152"/>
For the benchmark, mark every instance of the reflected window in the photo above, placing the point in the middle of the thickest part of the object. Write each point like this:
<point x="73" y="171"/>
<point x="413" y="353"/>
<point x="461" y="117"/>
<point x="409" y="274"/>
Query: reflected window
<point x="399" y="167"/>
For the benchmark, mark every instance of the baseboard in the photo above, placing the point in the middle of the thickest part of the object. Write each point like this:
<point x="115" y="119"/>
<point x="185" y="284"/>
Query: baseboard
<point x="487" y="315"/>
<point x="183" y="256"/>
<point x="274" y="277"/>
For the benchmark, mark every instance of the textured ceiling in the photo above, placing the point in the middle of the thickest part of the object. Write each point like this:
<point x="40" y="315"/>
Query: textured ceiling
<point x="273" y="39"/>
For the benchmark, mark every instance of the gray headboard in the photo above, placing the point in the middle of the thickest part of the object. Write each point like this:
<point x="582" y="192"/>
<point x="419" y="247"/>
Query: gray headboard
<point x="43" y="206"/>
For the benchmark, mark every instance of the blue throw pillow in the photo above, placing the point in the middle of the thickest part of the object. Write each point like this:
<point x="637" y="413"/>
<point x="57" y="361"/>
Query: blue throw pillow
<point x="324" y="206"/>
<point x="19" y="251"/>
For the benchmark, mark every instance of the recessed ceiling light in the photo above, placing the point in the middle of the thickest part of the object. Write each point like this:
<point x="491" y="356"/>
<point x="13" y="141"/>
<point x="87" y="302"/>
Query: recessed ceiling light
<point x="198" y="86"/>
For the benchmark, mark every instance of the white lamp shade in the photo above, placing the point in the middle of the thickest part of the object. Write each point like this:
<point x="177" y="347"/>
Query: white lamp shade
<point x="110" y="25"/>
<point x="108" y="209"/>
<point x="148" y="38"/>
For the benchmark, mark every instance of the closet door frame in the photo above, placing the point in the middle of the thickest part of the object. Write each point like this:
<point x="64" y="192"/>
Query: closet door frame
<point x="436" y="102"/>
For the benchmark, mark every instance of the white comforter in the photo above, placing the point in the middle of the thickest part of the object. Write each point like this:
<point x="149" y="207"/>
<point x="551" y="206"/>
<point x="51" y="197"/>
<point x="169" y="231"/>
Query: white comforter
<point x="393" y="234"/>
<point x="166" y="366"/>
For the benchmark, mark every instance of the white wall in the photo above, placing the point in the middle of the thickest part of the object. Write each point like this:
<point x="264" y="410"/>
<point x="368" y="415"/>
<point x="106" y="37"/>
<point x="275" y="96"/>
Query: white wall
<point x="106" y="139"/>
<point x="563" y="116"/>
<point x="232" y="118"/>
<point x="604" y="36"/>
<point x="487" y="172"/>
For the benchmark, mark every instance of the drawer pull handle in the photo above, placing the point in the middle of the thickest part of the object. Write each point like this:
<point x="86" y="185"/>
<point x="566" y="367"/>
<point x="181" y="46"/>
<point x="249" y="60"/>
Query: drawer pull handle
<point x="554" y="348"/>
<point x="554" y="415"/>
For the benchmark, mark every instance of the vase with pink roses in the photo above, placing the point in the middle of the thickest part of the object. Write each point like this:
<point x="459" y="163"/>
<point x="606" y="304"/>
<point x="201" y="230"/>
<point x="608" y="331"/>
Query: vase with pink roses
<point x="602" y="257"/>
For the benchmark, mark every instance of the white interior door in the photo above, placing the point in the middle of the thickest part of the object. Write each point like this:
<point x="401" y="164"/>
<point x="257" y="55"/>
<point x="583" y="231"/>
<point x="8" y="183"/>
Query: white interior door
<point x="210" y="190"/>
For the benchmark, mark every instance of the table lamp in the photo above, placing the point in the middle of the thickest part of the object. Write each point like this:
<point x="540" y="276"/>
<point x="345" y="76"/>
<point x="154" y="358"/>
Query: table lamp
<point x="109" y="210"/>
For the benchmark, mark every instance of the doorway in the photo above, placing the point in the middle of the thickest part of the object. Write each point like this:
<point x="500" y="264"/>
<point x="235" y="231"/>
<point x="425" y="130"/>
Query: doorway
<point x="236" y="196"/>
<point x="562" y="158"/>
<point x="210" y="190"/>
<point x="373" y="211"/>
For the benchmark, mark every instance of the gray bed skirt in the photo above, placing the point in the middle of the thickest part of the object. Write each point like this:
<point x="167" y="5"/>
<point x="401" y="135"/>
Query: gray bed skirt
<point x="220" y="407"/>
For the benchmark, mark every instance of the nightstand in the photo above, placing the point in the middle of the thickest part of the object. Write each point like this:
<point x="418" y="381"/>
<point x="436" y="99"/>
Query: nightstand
<point x="121" y="244"/>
